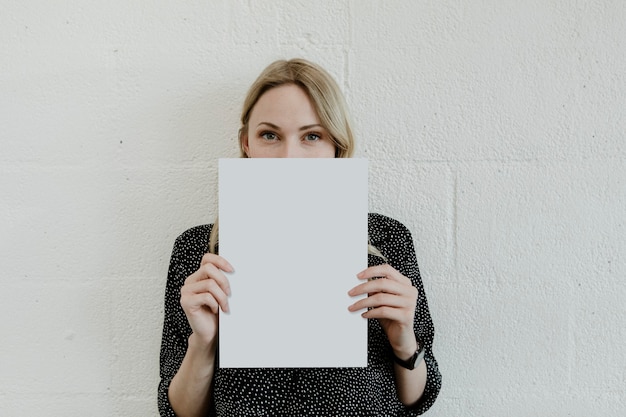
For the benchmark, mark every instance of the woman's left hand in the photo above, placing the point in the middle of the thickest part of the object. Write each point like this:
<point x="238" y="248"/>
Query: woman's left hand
<point x="392" y="300"/>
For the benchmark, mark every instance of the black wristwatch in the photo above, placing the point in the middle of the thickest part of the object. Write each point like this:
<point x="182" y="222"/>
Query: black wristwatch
<point x="413" y="361"/>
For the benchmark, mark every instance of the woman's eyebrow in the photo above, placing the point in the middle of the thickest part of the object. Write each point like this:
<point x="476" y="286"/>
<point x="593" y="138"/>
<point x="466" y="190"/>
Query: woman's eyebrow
<point x="272" y="125"/>
<point x="311" y="126"/>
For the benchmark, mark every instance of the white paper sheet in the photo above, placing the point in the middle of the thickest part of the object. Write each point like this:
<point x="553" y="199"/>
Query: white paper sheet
<point x="295" y="231"/>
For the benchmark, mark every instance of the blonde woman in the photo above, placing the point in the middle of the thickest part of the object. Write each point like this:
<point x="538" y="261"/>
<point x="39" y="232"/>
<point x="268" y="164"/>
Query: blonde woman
<point x="295" y="110"/>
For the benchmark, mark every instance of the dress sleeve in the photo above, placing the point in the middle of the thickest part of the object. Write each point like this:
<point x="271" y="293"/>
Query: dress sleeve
<point x="186" y="256"/>
<point x="400" y="253"/>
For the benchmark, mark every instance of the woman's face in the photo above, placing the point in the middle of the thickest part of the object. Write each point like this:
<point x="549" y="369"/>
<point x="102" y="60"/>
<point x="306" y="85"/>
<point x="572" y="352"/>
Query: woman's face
<point x="284" y="124"/>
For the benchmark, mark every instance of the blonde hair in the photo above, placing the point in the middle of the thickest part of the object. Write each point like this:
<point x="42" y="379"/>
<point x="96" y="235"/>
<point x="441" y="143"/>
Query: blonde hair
<point x="328" y="102"/>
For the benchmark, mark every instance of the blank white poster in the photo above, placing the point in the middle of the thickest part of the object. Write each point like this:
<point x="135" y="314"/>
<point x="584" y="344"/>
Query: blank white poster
<point x="295" y="231"/>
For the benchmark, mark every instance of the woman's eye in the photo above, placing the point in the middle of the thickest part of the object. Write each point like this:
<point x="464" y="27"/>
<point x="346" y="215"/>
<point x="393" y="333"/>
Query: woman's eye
<point x="312" y="137"/>
<point x="268" y="136"/>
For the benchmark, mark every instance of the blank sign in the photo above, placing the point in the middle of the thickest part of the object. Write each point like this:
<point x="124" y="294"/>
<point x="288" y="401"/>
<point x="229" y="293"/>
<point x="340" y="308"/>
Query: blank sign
<point x="295" y="231"/>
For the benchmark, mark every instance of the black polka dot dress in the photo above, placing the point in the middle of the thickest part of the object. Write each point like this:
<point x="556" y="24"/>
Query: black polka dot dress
<point x="369" y="391"/>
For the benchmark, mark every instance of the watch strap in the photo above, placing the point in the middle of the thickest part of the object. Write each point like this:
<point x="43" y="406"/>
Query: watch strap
<point x="413" y="361"/>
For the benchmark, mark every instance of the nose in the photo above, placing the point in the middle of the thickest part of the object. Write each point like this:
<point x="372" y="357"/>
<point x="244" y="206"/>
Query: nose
<point x="291" y="149"/>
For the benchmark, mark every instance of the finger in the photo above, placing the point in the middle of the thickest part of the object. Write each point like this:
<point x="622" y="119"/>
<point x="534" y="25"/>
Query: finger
<point x="389" y="313"/>
<point x="196" y="276"/>
<point x="381" y="285"/>
<point x="216" y="274"/>
<point x="198" y="301"/>
<point x="384" y="270"/>
<point x="212" y="272"/>
<point x="381" y="299"/>
<point x="220" y="262"/>
<point x="208" y="286"/>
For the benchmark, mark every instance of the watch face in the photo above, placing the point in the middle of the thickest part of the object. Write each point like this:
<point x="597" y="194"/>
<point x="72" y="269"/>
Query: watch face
<point x="420" y="357"/>
<point x="416" y="359"/>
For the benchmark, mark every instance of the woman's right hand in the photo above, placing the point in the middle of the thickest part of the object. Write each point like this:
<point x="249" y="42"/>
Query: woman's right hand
<point x="204" y="293"/>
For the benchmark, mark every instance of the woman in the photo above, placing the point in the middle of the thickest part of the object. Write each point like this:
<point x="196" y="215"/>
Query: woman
<point x="295" y="109"/>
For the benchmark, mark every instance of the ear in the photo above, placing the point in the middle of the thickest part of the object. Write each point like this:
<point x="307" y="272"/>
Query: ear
<point x="243" y="140"/>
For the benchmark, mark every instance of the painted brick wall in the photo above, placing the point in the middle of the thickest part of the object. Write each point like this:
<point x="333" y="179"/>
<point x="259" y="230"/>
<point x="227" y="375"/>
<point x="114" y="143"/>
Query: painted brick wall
<point x="495" y="131"/>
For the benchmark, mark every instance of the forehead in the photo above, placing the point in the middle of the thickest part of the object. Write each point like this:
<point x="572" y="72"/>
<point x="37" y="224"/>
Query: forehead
<point x="285" y="103"/>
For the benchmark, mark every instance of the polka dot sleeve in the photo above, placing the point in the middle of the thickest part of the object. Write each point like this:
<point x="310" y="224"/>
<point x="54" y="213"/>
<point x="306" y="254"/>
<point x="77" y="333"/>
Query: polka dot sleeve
<point x="186" y="256"/>
<point x="394" y="240"/>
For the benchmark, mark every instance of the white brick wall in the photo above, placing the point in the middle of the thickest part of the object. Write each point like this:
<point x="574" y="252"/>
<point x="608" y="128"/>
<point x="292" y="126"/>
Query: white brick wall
<point x="495" y="132"/>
